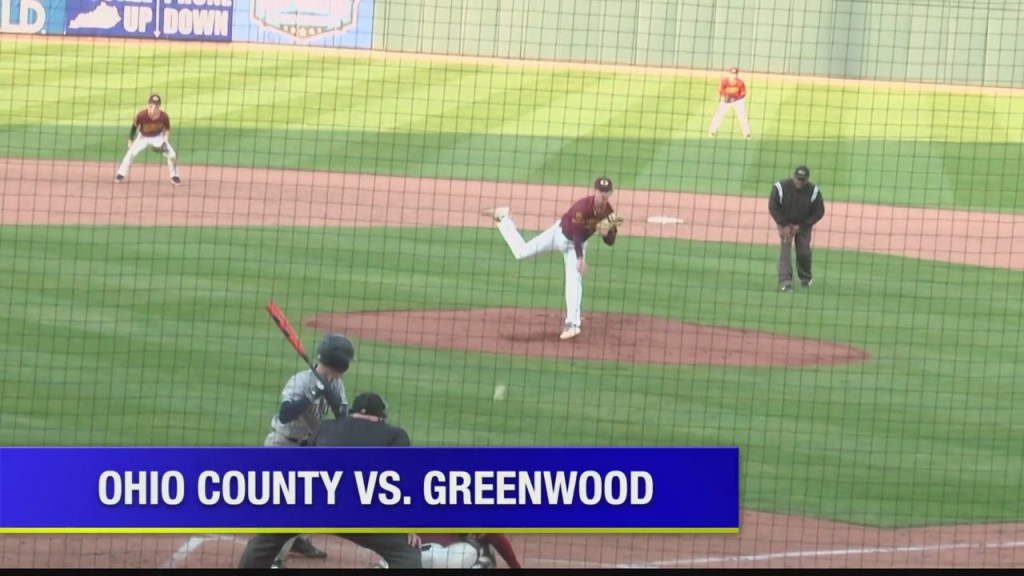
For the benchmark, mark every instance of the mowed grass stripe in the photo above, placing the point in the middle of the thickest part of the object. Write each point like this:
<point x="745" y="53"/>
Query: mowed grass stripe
<point x="338" y="112"/>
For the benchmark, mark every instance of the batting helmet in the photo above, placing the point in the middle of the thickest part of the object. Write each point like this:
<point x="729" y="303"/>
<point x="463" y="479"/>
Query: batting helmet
<point x="336" y="351"/>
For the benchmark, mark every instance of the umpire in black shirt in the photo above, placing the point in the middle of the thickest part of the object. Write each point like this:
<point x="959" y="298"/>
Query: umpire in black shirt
<point x="796" y="206"/>
<point x="364" y="426"/>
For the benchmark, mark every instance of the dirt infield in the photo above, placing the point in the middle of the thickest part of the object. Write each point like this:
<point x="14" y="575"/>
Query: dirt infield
<point x="38" y="192"/>
<point x="47" y="192"/>
<point x="621" y="337"/>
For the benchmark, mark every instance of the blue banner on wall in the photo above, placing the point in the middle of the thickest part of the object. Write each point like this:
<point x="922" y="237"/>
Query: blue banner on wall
<point x="32" y="17"/>
<point x="331" y="23"/>
<point x="233" y="490"/>
<point x="209" y="20"/>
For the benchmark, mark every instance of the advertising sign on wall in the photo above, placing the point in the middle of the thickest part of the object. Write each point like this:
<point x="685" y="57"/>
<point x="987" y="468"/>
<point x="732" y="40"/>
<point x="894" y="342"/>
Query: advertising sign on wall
<point x="168" y="19"/>
<point x="334" y="23"/>
<point x="31" y="16"/>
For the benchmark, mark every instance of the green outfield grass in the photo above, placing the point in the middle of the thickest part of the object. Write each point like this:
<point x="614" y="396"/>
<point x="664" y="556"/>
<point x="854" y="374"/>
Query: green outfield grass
<point x="326" y="111"/>
<point x="158" y="337"/>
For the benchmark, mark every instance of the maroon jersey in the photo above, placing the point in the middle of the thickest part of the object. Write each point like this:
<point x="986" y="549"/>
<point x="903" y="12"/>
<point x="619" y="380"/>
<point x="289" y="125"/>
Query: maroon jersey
<point x="580" y="222"/>
<point x="500" y="542"/>
<point x="150" y="126"/>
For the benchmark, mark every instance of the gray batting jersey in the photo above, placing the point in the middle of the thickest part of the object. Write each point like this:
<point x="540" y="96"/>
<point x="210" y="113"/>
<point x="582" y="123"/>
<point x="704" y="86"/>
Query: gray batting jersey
<point x="302" y="385"/>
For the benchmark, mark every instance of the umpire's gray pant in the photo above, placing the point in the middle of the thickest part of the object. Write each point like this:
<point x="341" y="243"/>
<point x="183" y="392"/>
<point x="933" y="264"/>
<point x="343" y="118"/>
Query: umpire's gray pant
<point x="802" y="242"/>
<point x="393" y="548"/>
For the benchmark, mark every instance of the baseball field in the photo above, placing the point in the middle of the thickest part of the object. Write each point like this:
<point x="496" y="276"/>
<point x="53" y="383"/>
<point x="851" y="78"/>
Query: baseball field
<point x="877" y="413"/>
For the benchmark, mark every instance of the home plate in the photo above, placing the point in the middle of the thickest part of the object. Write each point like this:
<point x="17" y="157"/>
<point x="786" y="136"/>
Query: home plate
<point x="664" y="220"/>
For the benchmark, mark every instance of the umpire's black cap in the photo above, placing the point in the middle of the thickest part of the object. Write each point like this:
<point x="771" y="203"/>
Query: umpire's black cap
<point x="802" y="172"/>
<point x="370" y="404"/>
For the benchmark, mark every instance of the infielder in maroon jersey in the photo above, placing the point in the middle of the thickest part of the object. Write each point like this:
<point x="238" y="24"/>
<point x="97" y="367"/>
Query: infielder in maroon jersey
<point x="569" y="236"/>
<point x="732" y="93"/>
<point x="151" y="128"/>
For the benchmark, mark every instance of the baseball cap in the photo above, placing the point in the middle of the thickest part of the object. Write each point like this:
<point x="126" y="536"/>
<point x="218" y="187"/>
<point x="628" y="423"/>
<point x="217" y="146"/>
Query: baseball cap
<point x="734" y="70"/>
<point x="370" y="404"/>
<point x="603" y="184"/>
<point x="155" y="99"/>
<point x="802" y="172"/>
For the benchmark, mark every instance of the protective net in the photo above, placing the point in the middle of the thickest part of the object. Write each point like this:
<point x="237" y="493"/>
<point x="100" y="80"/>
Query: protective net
<point x="353" y="160"/>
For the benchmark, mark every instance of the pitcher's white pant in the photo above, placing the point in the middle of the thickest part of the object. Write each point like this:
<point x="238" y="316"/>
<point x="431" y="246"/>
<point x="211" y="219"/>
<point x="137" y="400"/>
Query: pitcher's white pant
<point x="156" y="143"/>
<point x="550" y="240"/>
<point x="741" y="113"/>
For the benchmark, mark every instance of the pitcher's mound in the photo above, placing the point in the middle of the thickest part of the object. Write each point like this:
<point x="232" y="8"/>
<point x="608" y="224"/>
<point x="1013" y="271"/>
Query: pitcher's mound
<point x="612" y="337"/>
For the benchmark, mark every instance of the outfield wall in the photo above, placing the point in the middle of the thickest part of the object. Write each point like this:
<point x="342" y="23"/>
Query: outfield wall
<point x="940" y="41"/>
<point x="954" y="42"/>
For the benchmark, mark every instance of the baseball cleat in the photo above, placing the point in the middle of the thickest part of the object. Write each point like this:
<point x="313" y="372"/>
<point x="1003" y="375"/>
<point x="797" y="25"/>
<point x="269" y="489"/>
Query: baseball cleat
<point x="497" y="213"/>
<point x="176" y="180"/>
<point x="118" y="178"/>
<point x="807" y="284"/>
<point x="570" y="332"/>
<point x="787" y="288"/>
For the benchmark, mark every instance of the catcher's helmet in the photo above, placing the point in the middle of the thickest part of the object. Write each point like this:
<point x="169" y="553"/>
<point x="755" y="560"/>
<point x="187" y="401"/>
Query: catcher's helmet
<point x="336" y="351"/>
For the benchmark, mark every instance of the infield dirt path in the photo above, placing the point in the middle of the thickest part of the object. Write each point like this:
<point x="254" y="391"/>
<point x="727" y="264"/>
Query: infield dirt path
<point x="44" y="192"/>
<point x="47" y="192"/>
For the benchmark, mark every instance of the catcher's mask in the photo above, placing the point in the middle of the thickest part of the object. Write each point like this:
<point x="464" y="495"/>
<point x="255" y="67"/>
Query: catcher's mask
<point x="336" y="351"/>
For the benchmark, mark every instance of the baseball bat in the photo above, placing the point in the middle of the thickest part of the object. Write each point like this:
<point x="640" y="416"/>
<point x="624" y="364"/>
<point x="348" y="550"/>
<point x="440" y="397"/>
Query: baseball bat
<point x="286" y="328"/>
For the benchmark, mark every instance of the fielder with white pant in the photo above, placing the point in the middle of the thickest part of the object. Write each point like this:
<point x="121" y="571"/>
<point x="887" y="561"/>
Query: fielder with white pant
<point x="732" y="93"/>
<point x="567" y="236"/>
<point x="152" y="127"/>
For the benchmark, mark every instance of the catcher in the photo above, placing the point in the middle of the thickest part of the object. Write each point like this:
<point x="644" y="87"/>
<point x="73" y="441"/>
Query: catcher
<point x="732" y="93"/>
<point x="568" y="235"/>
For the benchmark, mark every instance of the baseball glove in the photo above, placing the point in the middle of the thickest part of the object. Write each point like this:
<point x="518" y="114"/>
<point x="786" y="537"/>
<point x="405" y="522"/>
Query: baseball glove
<point x="613" y="220"/>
